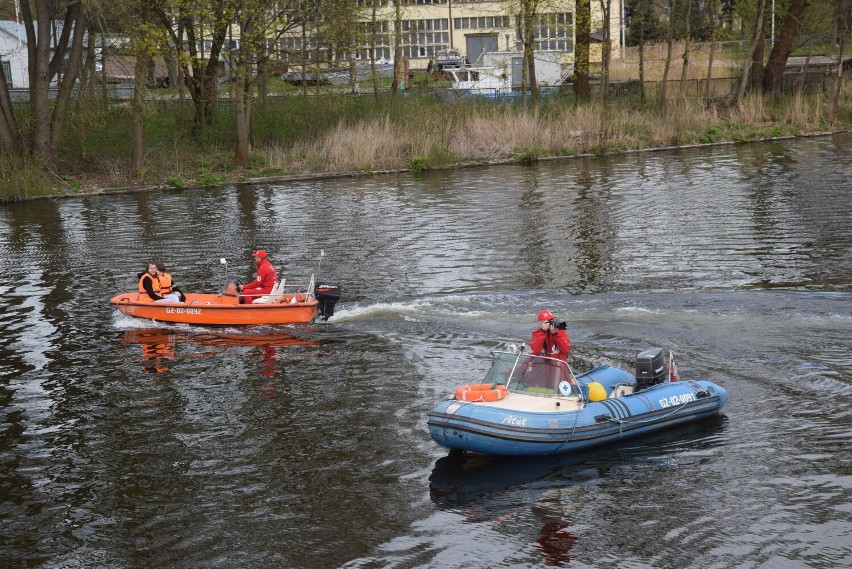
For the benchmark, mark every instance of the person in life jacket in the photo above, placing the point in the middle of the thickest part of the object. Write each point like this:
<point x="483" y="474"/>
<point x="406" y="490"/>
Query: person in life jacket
<point x="550" y="338"/>
<point x="168" y="290"/>
<point x="263" y="282"/>
<point x="149" y="283"/>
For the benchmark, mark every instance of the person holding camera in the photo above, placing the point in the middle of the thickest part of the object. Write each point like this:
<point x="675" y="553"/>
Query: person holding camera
<point x="550" y="338"/>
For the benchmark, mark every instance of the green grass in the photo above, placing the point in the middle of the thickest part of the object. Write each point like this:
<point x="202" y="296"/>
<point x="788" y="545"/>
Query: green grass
<point x="416" y="130"/>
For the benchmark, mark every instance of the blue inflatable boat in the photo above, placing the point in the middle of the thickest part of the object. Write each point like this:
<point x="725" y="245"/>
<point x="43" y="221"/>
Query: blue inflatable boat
<point x="529" y="405"/>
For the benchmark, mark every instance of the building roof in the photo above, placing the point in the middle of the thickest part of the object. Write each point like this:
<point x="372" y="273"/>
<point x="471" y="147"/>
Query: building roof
<point x="11" y="28"/>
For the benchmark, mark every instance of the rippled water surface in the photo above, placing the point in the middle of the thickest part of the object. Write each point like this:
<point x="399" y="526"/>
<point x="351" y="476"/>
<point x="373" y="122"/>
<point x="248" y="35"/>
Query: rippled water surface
<point x="129" y="444"/>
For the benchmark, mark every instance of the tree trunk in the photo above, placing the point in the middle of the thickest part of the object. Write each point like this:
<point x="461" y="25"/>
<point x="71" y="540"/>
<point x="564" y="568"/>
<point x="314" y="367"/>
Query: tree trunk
<point x="318" y="24"/>
<point x="643" y="8"/>
<point x="685" y="69"/>
<point x="774" y="72"/>
<point x="713" y="27"/>
<point x="38" y="46"/>
<point x="669" y="49"/>
<point x="842" y="16"/>
<point x="606" y="48"/>
<point x="739" y="94"/>
<point x="530" y="9"/>
<point x="8" y="124"/>
<point x="373" y="75"/>
<point x="69" y="78"/>
<point x="137" y="147"/>
<point x="581" y="51"/>
<point x="243" y="108"/>
<point x="756" y="79"/>
<point x="243" y="101"/>
<point x="397" y="49"/>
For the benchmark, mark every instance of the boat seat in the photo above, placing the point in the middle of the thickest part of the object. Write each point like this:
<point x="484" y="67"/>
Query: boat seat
<point x="620" y="391"/>
<point x="273" y="296"/>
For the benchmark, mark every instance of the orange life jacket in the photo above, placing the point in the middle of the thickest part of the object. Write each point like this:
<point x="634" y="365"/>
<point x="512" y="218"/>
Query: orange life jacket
<point x="165" y="284"/>
<point x="155" y="285"/>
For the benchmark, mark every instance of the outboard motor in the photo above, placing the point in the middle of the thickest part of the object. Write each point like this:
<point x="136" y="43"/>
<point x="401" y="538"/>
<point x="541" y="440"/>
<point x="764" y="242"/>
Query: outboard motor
<point x="327" y="295"/>
<point x="650" y="368"/>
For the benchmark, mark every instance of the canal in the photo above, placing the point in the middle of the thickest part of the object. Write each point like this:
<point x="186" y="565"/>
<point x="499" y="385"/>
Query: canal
<point x="125" y="443"/>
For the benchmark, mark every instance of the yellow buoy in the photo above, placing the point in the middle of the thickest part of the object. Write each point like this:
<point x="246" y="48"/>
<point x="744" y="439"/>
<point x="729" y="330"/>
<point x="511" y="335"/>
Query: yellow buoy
<point x="596" y="391"/>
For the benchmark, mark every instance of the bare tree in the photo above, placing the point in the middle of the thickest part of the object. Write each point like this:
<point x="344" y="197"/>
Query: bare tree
<point x="198" y="20"/>
<point x="47" y="117"/>
<point x="259" y="22"/>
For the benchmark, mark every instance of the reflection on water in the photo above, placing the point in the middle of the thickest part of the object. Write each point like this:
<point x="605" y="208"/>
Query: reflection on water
<point x="460" y="481"/>
<point x="159" y="345"/>
<point x="131" y="444"/>
<point x="546" y="491"/>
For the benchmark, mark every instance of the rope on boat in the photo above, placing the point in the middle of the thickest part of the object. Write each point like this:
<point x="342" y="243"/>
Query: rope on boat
<point x="622" y="422"/>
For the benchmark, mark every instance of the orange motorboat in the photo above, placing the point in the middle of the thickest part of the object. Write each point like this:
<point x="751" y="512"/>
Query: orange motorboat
<point x="224" y="309"/>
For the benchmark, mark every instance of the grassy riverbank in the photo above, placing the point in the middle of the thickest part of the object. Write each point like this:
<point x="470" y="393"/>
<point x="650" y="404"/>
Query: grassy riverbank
<point x="341" y="133"/>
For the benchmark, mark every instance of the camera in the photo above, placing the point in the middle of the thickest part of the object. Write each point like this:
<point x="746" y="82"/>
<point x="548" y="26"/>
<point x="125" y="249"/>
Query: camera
<point x="560" y="325"/>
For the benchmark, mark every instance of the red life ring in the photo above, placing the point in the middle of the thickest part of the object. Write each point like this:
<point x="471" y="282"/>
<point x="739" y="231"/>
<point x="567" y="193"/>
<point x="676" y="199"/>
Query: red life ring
<point x="481" y="392"/>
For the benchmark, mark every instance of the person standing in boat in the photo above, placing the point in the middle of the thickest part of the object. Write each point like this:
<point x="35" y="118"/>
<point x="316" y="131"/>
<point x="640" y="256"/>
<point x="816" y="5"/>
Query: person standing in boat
<point x="550" y="338"/>
<point x="168" y="290"/>
<point x="149" y="283"/>
<point x="263" y="282"/>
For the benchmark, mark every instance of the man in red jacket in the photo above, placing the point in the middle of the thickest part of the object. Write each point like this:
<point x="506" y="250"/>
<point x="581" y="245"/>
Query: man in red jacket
<point x="550" y="339"/>
<point x="263" y="282"/>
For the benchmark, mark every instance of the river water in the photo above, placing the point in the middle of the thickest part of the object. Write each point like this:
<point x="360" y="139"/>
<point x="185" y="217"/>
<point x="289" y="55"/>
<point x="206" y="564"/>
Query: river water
<point x="128" y="444"/>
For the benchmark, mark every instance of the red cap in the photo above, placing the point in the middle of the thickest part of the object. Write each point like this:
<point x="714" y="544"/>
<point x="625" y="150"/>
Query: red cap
<point x="545" y="315"/>
<point x="260" y="253"/>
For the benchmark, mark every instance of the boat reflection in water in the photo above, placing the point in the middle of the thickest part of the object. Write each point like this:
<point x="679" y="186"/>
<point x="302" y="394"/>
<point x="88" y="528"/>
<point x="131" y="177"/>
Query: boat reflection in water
<point x="485" y="488"/>
<point x="159" y="345"/>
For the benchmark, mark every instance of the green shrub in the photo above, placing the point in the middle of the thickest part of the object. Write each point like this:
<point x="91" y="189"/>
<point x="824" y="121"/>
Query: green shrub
<point x="417" y="163"/>
<point x="210" y="179"/>
<point x="526" y="155"/>
<point x="710" y="135"/>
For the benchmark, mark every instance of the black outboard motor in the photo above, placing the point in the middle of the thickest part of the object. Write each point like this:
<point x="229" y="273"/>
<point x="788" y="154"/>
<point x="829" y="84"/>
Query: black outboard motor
<point x="327" y="295"/>
<point x="650" y="368"/>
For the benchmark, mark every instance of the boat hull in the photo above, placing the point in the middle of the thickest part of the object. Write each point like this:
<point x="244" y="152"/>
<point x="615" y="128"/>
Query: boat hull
<point x="499" y="429"/>
<point x="218" y="310"/>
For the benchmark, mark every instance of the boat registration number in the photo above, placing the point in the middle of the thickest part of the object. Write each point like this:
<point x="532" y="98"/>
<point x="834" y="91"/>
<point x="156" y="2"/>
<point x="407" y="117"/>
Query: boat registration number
<point x="681" y="399"/>
<point x="181" y="310"/>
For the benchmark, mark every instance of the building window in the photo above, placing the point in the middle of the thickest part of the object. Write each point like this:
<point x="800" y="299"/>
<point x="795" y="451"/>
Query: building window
<point x="7" y="73"/>
<point x="485" y="22"/>
<point x="294" y="51"/>
<point x="553" y="32"/>
<point x="422" y="38"/>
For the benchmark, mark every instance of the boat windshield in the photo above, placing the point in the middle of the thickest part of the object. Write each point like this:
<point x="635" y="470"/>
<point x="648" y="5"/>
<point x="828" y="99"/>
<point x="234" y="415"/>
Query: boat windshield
<point x="533" y="375"/>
